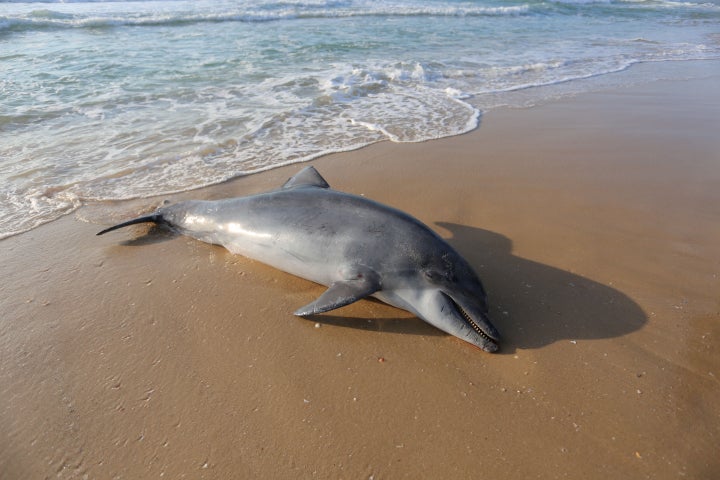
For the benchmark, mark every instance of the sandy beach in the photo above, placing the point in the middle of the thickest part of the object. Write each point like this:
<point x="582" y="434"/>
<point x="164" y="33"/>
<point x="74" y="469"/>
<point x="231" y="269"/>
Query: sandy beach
<point x="593" y="221"/>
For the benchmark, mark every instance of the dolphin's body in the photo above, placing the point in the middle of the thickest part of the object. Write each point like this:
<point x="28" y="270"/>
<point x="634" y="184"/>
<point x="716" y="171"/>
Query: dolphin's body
<point x="355" y="246"/>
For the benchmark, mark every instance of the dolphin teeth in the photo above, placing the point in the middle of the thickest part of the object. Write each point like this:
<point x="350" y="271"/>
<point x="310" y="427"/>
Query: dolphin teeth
<point x="474" y="325"/>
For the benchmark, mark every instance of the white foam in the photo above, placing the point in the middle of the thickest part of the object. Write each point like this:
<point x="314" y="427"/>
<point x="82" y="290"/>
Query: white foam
<point x="100" y="14"/>
<point x="25" y="210"/>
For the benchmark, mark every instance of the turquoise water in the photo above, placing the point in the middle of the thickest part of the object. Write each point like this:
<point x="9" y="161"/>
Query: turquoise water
<point x="117" y="100"/>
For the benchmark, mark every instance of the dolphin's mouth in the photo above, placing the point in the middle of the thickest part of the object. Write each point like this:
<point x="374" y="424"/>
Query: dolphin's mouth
<point x="493" y="344"/>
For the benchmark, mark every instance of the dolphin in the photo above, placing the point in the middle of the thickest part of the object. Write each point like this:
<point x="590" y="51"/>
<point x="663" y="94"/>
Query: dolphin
<point x="355" y="246"/>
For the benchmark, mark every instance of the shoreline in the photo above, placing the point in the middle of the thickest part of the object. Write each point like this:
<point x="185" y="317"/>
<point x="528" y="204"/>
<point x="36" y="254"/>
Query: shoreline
<point x="632" y="76"/>
<point x="592" y="222"/>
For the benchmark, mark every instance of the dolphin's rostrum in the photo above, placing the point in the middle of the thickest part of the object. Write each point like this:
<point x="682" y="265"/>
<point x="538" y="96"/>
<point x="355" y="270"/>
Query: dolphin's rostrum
<point x="353" y="245"/>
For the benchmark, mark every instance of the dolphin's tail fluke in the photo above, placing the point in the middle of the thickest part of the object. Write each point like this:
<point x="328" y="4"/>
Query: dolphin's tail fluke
<point x="154" y="218"/>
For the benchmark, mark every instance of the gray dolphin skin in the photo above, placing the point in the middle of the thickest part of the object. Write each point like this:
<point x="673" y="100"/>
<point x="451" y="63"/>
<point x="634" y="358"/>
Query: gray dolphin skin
<point x="354" y="246"/>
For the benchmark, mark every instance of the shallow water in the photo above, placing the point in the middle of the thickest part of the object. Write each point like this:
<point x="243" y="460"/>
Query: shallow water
<point x="117" y="100"/>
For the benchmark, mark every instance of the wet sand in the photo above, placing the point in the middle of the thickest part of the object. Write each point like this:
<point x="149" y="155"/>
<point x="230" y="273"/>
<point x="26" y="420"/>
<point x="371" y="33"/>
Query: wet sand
<point x="594" y="223"/>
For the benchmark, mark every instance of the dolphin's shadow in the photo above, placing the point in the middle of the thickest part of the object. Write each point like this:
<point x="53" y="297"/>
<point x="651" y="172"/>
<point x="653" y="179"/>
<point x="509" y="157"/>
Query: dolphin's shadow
<point x="534" y="305"/>
<point x="411" y="326"/>
<point x="154" y="234"/>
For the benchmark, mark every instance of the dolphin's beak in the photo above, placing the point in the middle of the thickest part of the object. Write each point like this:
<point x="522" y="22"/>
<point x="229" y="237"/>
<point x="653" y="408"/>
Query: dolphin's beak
<point x="485" y="334"/>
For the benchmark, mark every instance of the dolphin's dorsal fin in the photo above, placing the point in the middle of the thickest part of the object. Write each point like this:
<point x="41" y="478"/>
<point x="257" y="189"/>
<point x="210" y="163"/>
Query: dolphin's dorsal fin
<point x="307" y="177"/>
<point x="361" y="282"/>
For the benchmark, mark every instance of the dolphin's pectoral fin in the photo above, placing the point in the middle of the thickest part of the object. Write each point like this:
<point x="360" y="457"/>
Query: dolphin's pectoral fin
<point x="338" y="295"/>
<point x="342" y="293"/>
<point x="307" y="177"/>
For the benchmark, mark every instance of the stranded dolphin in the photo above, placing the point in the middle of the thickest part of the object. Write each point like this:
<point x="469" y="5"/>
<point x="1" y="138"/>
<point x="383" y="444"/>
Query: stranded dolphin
<point x="355" y="246"/>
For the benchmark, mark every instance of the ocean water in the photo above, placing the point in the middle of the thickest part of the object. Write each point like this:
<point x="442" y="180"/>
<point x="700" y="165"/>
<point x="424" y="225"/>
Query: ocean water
<point x="127" y="99"/>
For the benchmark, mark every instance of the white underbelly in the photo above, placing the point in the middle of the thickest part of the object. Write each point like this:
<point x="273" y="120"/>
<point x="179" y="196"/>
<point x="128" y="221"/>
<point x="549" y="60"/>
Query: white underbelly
<point x="305" y="264"/>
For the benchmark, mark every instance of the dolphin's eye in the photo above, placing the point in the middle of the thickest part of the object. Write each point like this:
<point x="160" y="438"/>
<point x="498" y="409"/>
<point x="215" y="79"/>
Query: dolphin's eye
<point x="432" y="275"/>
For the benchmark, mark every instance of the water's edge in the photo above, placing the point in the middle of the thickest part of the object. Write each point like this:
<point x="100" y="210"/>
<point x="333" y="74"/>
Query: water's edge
<point x="636" y="74"/>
